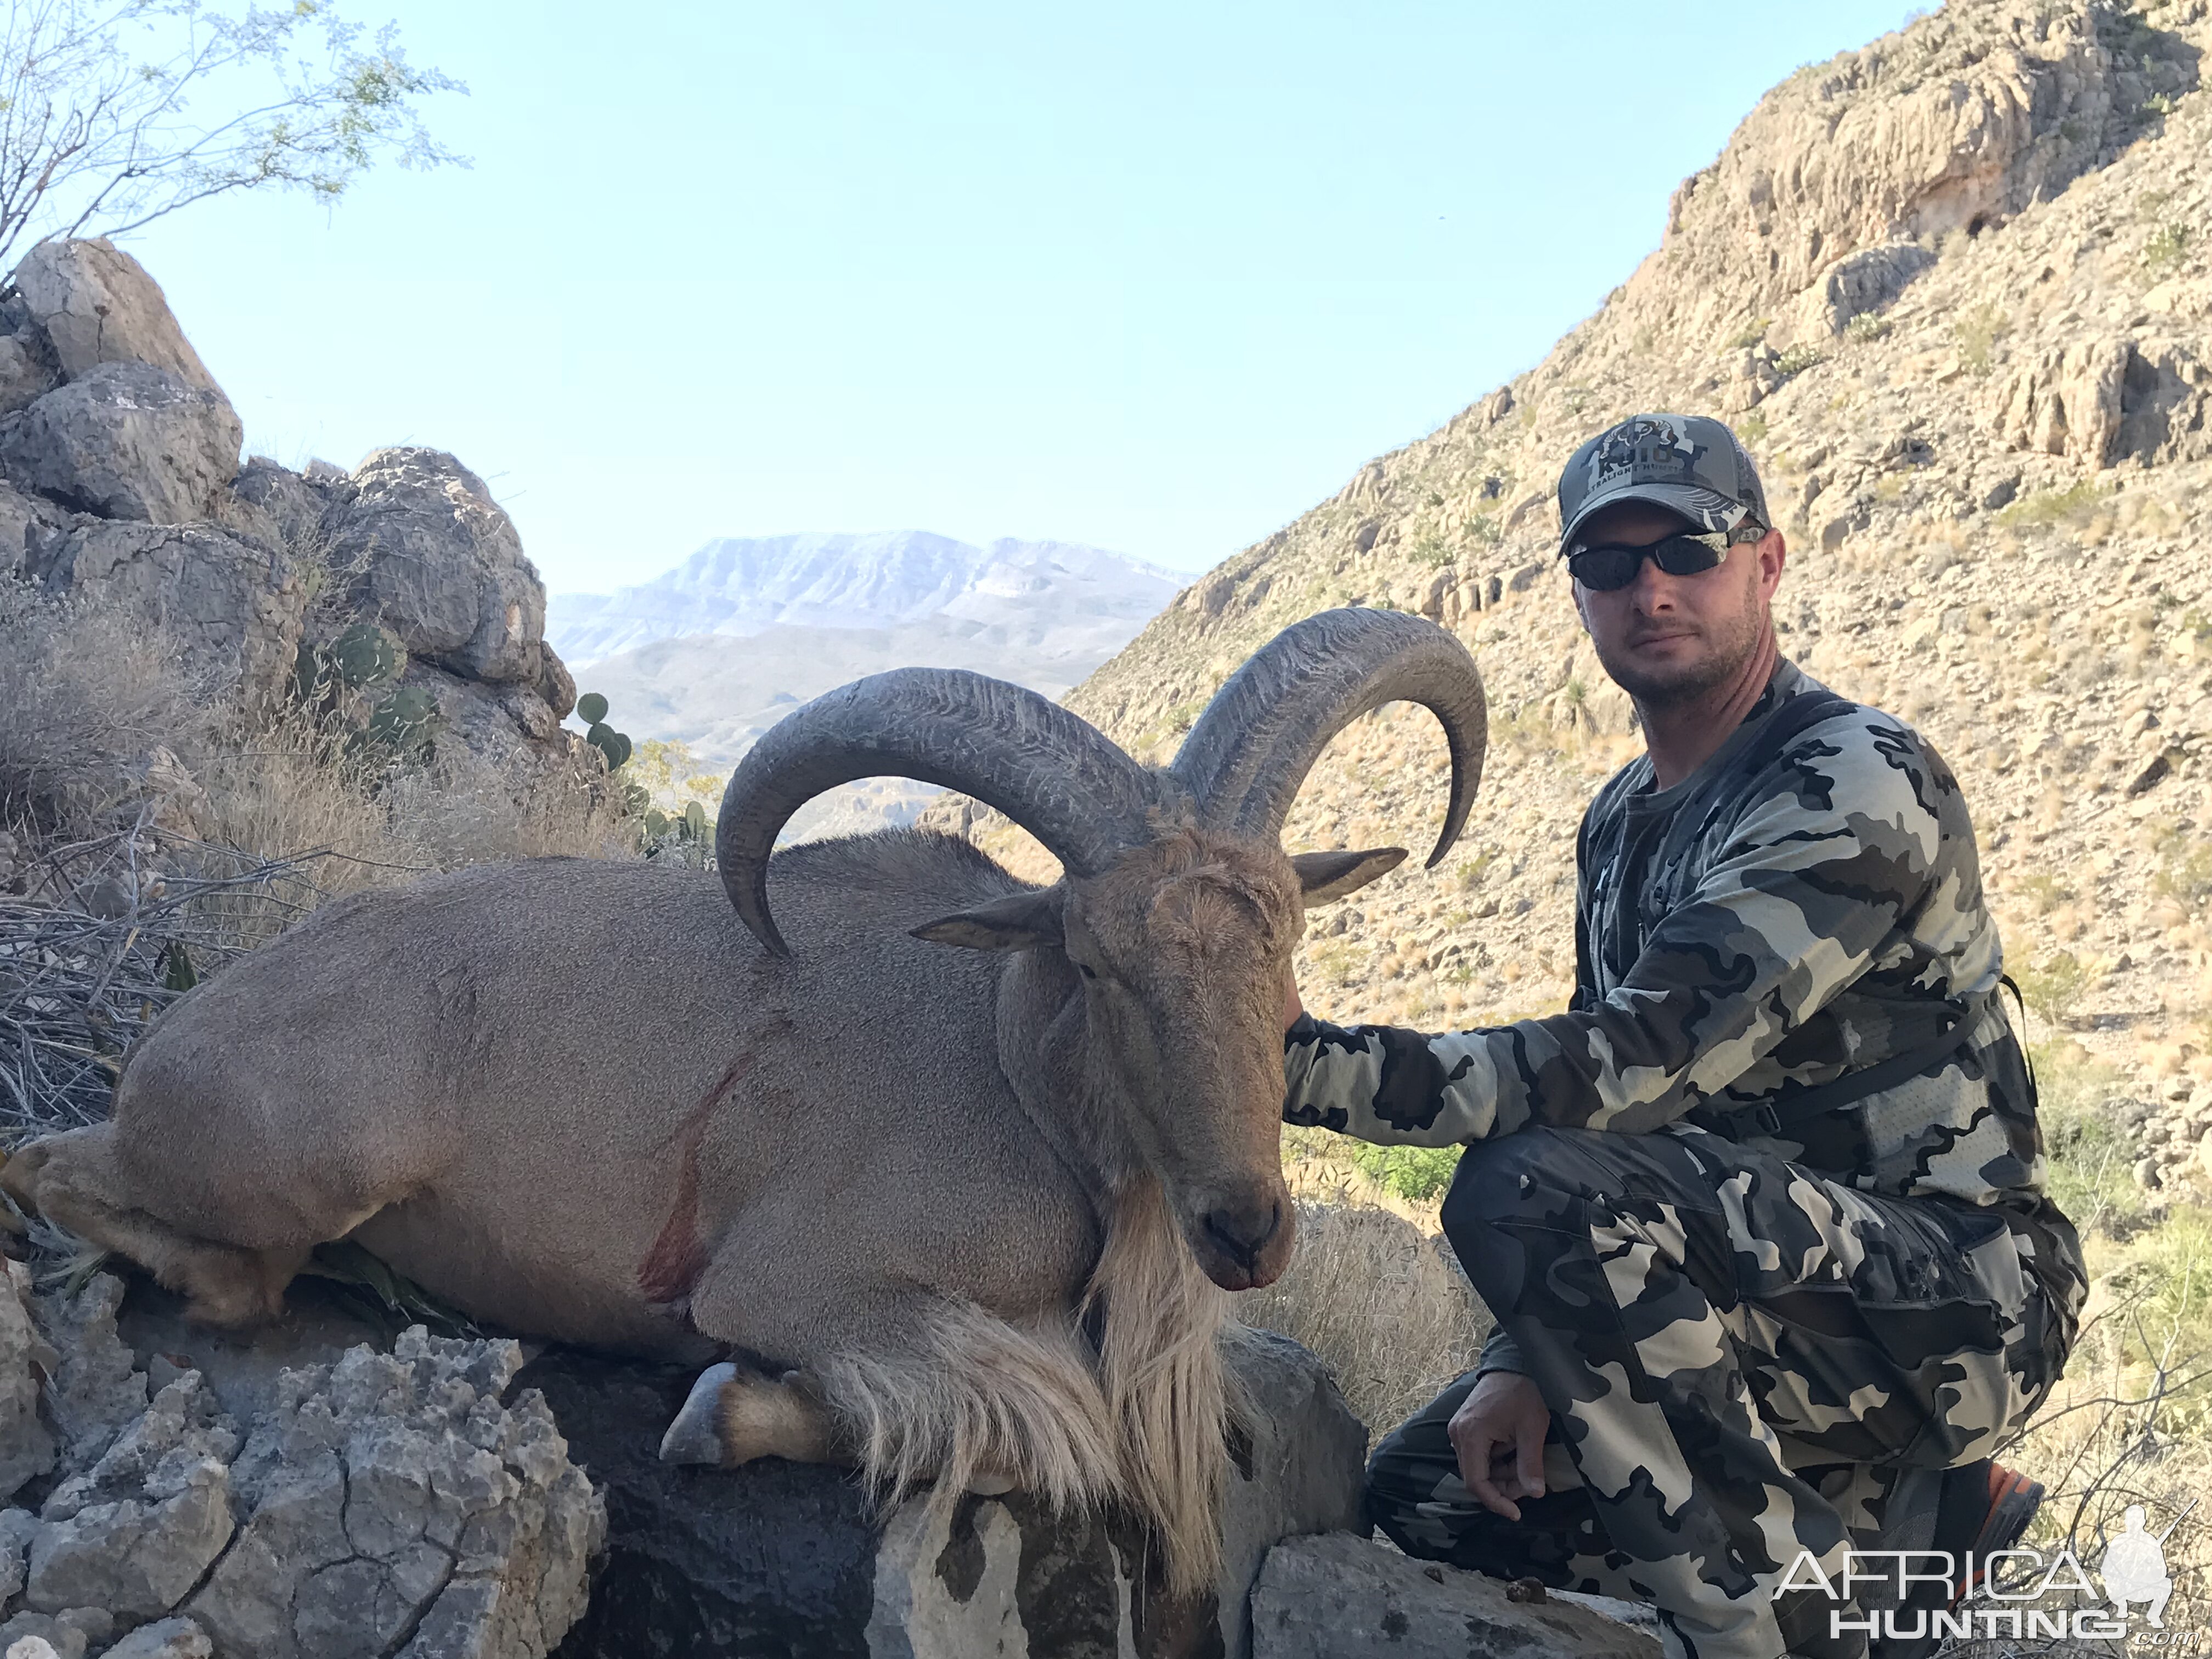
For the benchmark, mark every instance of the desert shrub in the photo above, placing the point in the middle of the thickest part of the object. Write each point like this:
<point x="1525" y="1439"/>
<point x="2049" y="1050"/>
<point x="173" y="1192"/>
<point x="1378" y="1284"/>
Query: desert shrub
<point x="1866" y="326"/>
<point x="1752" y="429"/>
<point x="2092" y="1158"/>
<point x="462" y="808"/>
<point x="2074" y="505"/>
<point x="2054" y="985"/>
<point x="2166" y="245"/>
<point x="1978" y="331"/>
<point x="292" y="787"/>
<point x="1416" y="1173"/>
<point x="2185" y="869"/>
<point x="1750" y="334"/>
<point x="1798" y="359"/>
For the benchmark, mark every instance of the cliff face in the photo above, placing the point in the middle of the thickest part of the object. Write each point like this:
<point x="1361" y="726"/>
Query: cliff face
<point x="1952" y="290"/>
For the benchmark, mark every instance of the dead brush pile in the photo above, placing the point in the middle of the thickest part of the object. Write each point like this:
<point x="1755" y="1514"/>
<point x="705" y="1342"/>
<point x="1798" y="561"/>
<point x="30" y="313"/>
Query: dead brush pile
<point x="104" y="934"/>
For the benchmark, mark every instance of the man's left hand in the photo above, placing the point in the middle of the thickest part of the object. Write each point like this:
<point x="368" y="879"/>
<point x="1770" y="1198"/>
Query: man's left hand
<point x="1498" y="1432"/>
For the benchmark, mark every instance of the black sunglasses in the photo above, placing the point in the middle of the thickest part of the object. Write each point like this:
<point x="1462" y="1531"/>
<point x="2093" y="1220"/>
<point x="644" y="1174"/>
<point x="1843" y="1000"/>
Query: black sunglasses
<point x="1601" y="569"/>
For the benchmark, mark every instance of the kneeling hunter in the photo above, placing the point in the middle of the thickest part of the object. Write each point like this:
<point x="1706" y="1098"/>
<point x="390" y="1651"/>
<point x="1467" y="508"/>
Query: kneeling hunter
<point x="1761" y="1215"/>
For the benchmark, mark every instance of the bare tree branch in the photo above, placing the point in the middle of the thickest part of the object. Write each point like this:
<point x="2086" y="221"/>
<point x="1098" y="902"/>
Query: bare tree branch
<point x="104" y="122"/>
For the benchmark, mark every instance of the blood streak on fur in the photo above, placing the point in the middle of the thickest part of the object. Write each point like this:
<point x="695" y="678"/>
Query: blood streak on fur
<point x="679" y="1254"/>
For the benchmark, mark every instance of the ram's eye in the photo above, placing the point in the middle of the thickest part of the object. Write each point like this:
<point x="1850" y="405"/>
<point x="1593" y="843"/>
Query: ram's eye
<point x="1088" y="971"/>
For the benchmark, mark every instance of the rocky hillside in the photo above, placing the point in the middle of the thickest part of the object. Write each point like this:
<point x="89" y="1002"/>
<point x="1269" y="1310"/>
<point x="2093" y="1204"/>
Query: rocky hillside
<point x="1952" y="289"/>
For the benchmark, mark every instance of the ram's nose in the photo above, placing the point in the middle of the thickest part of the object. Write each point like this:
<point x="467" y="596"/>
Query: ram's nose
<point x="1241" y="1231"/>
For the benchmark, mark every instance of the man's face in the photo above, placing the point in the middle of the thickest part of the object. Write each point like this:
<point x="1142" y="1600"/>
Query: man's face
<point x="1668" y="639"/>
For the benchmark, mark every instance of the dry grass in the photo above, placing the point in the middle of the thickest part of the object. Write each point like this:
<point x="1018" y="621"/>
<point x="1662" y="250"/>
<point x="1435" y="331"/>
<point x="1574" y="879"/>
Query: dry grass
<point x="87" y="696"/>
<point x="106" y="724"/>
<point x="1372" y="1290"/>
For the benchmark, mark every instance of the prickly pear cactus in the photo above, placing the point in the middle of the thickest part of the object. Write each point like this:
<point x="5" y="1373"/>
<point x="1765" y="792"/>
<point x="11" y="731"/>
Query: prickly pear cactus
<point x="405" y="719"/>
<point x="590" y="708"/>
<point x="365" y="654"/>
<point x="614" y="744"/>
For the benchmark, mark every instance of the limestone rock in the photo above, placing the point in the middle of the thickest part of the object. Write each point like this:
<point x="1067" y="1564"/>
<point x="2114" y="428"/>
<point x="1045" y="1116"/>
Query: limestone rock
<point x="2068" y="404"/>
<point x="127" y="440"/>
<point x="17" y="1528"/>
<point x="1341" y="1597"/>
<point x="1964" y="124"/>
<point x="29" y="529"/>
<point x="135" y="1532"/>
<point x="2165" y="403"/>
<point x="27" y="370"/>
<point x="1303" y="1466"/>
<point x="27" y="1445"/>
<point x="97" y="305"/>
<point x="41" y="1636"/>
<point x="237" y="610"/>
<point x="441" y="565"/>
<point x="1860" y="284"/>
<point x="167" y="1638"/>
<point x="392" y="1493"/>
<point x="98" y="1389"/>
<point x="291" y="504"/>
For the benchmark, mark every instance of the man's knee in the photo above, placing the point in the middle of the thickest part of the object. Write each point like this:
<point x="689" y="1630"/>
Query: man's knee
<point x="1496" y="1178"/>
<point x="1510" y="1188"/>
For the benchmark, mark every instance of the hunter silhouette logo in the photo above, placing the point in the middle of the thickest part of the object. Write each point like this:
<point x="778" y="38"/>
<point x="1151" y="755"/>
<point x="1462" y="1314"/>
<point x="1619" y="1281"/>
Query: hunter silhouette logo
<point x="2133" y="1570"/>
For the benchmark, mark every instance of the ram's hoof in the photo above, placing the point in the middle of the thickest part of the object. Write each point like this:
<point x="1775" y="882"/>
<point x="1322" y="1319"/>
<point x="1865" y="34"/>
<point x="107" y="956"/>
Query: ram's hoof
<point x="695" y="1435"/>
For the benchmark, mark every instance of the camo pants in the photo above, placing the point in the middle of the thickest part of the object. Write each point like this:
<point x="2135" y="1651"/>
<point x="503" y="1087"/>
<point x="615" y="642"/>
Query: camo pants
<point x="1743" y="1360"/>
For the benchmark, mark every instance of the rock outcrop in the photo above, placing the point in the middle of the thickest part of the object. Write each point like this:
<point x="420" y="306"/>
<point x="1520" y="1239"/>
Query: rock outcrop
<point x="372" y="1503"/>
<point x="441" y="566"/>
<point x="94" y="304"/>
<point x="312" y="1491"/>
<point x="119" y="455"/>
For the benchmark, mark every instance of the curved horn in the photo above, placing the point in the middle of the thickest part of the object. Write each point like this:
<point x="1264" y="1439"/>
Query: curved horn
<point x="1050" y="771"/>
<point x="1250" y="751"/>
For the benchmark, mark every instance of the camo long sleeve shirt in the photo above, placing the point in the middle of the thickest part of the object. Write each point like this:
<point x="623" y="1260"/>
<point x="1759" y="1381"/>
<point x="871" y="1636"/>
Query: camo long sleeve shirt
<point x="1760" y="929"/>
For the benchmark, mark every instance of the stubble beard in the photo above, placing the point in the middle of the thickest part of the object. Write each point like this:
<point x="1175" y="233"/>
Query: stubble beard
<point x="1729" y="648"/>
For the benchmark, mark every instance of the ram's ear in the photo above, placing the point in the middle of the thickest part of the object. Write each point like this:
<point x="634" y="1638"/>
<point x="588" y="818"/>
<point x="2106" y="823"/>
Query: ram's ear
<point x="1326" y="876"/>
<point x="1019" y="922"/>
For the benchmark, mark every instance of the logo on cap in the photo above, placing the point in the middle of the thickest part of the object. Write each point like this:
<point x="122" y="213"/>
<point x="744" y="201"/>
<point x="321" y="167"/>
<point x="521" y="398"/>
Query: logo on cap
<point x="1647" y="450"/>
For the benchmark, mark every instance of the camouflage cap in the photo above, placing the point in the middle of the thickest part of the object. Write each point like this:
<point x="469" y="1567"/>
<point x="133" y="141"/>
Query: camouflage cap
<point x="1689" y="464"/>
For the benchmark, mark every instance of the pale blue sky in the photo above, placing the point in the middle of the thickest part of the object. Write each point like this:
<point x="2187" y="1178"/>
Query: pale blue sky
<point x="1152" y="276"/>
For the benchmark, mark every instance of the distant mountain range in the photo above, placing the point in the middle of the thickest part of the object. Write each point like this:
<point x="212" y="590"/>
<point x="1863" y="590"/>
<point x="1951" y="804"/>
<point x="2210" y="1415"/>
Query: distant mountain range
<point x="719" y="649"/>
<point x="1051" y="595"/>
